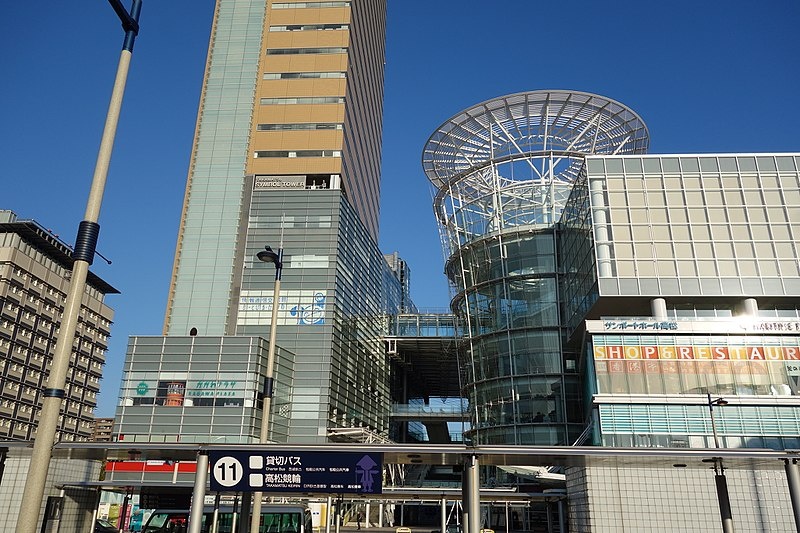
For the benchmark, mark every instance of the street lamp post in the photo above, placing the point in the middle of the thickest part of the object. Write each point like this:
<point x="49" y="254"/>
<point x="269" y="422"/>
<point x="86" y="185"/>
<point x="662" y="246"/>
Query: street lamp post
<point x="268" y="256"/>
<point x="83" y="255"/>
<point x="720" y="480"/>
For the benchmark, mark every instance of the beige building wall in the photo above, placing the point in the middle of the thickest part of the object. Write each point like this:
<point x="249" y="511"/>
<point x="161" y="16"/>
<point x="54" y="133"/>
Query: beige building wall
<point x="311" y="53"/>
<point x="291" y="89"/>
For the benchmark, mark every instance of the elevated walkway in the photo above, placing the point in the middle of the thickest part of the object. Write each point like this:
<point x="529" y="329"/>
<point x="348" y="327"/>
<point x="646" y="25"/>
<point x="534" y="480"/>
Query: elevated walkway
<point x="423" y="413"/>
<point x="426" y="345"/>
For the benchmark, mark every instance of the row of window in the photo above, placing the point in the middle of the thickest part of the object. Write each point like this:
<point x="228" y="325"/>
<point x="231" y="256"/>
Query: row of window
<point x="11" y="386"/>
<point x="302" y="126"/>
<point x="298" y="51"/>
<point x="22" y="426"/>
<point x="73" y="390"/>
<point x="17" y="367"/>
<point x="51" y="291"/>
<point x="304" y="27"/>
<point x="710" y="164"/>
<point x="10" y="305"/>
<point x="39" y="357"/>
<point x="303" y="100"/>
<point x="695" y="420"/>
<point x="298" y="153"/>
<point x="292" y="5"/>
<point x="302" y="75"/>
<point x="24" y="333"/>
<point x="28" y="315"/>
<point x="35" y="356"/>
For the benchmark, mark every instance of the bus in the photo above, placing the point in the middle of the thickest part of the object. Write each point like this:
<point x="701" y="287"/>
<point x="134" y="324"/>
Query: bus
<point x="275" y="518"/>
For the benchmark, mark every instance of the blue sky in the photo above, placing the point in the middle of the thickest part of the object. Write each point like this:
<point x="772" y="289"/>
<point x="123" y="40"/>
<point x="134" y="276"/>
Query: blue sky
<point x="704" y="76"/>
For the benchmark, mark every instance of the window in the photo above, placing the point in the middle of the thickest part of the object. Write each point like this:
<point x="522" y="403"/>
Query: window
<point x="304" y="126"/>
<point x="304" y="100"/>
<point x="296" y="51"/>
<point x="298" y="153"/>
<point x="302" y="75"/>
<point x="309" y="27"/>
<point x="292" y="5"/>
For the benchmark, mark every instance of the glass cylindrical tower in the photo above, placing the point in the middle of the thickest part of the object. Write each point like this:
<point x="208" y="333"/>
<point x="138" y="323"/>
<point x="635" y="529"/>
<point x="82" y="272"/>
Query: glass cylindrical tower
<point x="503" y="171"/>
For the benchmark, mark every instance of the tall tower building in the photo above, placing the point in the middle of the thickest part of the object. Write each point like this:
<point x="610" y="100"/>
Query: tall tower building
<point x="286" y="153"/>
<point x="292" y="101"/>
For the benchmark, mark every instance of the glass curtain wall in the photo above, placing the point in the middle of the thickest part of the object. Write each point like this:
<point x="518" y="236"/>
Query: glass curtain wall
<point x="503" y="171"/>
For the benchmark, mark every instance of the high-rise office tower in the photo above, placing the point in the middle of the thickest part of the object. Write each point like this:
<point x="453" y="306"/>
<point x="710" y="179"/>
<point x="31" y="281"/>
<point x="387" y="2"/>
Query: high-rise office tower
<point x="292" y="101"/>
<point x="286" y="153"/>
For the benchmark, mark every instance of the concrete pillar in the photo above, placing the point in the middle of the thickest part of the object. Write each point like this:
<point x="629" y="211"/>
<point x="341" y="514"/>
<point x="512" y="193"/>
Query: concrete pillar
<point x="366" y="516"/>
<point x="472" y="476"/>
<point x="750" y="306"/>
<point x="443" y="514"/>
<point x="600" y="221"/>
<point x="465" y="494"/>
<point x="328" y="509"/>
<point x="198" y="494"/>
<point x="658" y="308"/>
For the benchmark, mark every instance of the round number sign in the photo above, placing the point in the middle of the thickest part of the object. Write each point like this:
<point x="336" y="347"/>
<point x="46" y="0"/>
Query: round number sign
<point x="228" y="471"/>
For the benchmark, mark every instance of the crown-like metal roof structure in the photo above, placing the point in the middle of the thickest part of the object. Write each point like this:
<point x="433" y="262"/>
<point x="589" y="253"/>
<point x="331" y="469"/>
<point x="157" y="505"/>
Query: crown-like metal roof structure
<point x="511" y="161"/>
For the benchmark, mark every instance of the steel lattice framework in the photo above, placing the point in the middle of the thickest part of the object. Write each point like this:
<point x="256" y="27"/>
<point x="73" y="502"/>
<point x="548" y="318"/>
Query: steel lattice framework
<point x="511" y="161"/>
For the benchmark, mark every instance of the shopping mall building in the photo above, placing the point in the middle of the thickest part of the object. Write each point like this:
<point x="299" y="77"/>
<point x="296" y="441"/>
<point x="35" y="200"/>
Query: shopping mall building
<point x="616" y="298"/>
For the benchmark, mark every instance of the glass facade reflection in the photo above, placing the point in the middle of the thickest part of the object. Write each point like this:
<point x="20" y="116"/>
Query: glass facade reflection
<point x="332" y="298"/>
<point x="201" y="389"/>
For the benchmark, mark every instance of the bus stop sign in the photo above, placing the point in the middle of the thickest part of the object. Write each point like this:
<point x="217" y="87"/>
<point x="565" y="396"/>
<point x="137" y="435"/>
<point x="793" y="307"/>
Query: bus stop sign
<point x="326" y="472"/>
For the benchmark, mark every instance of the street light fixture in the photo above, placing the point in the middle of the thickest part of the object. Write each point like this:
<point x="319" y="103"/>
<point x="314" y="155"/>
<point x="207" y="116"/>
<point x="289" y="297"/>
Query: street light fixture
<point x="83" y="256"/>
<point x="267" y="255"/>
<point x="719" y="471"/>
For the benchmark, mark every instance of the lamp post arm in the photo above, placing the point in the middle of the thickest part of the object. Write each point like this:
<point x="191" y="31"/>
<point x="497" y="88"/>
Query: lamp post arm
<point x="130" y="21"/>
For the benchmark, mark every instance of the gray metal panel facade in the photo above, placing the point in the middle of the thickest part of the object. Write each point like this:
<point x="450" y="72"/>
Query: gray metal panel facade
<point x="330" y="307"/>
<point x="696" y="225"/>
